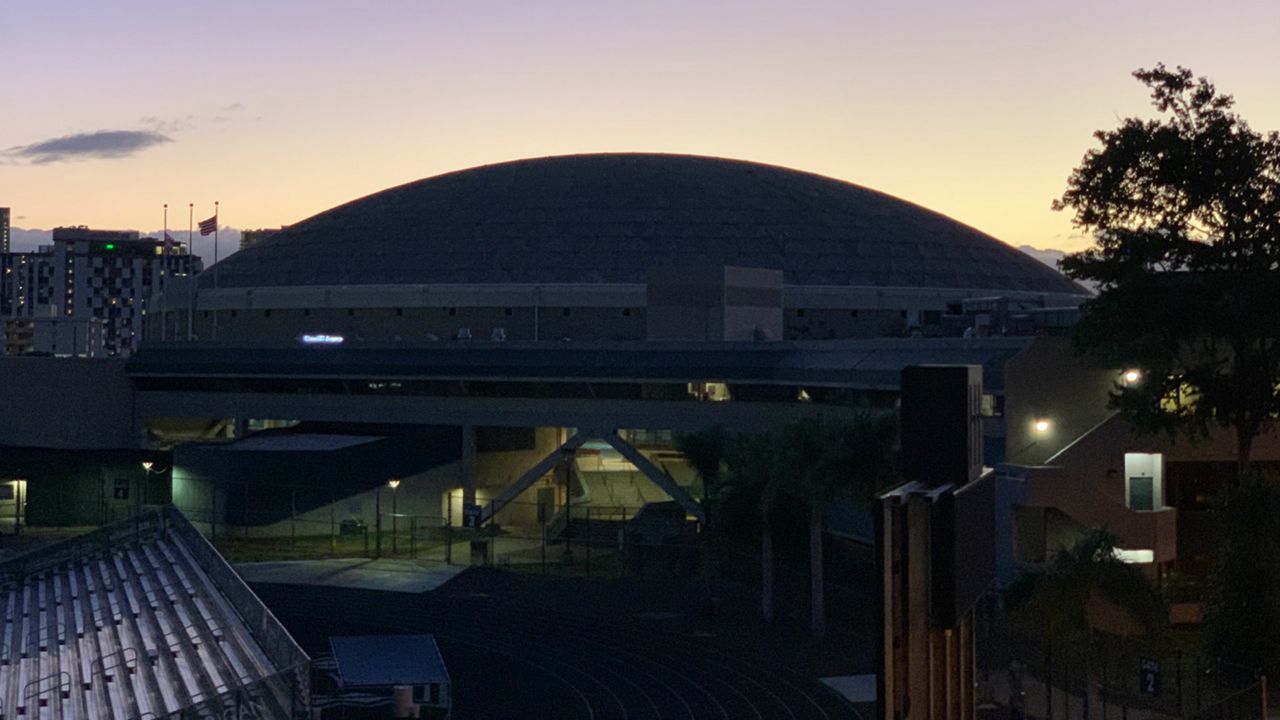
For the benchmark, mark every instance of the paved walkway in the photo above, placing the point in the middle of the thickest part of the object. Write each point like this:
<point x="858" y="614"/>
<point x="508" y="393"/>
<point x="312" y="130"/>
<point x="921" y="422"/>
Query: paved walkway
<point x="428" y="572"/>
<point x="410" y="576"/>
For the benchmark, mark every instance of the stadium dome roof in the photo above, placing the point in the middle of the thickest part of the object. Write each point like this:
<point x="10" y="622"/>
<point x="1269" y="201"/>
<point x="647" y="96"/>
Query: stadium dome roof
<point x="611" y="218"/>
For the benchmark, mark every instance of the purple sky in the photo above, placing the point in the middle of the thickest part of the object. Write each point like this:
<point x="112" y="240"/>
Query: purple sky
<point x="282" y="109"/>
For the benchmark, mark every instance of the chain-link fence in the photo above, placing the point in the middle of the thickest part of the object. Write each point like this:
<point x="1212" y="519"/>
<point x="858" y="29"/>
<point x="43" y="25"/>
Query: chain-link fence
<point x="1131" y="684"/>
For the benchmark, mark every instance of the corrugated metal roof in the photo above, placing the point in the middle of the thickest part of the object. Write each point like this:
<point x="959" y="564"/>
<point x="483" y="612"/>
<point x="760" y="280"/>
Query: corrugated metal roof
<point x="382" y="660"/>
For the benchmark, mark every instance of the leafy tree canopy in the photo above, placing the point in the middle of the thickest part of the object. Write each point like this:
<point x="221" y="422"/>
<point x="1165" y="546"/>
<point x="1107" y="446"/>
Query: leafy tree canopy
<point x="1057" y="602"/>
<point x="1184" y="210"/>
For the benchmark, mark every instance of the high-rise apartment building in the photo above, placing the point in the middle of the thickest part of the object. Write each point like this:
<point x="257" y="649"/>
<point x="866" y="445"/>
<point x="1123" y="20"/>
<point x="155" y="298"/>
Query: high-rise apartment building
<point x="104" y="274"/>
<point x="4" y="229"/>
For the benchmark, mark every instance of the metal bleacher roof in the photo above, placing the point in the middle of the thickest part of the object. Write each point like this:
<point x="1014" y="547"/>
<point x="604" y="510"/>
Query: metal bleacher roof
<point x="142" y="619"/>
<point x="388" y="660"/>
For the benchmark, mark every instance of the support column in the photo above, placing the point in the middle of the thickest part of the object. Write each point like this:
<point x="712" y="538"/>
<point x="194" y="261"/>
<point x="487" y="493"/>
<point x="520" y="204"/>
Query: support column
<point x="533" y="474"/>
<point x="468" y="465"/>
<point x="656" y="474"/>
<point x="917" y="615"/>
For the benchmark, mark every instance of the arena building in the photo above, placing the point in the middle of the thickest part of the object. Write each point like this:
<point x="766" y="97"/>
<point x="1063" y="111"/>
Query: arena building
<point x="564" y="248"/>
<point x="508" y="340"/>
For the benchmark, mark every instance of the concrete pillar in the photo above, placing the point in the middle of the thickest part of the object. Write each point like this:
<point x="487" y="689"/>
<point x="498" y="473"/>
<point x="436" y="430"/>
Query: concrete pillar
<point x="919" y="655"/>
<point x="468" y="466"/>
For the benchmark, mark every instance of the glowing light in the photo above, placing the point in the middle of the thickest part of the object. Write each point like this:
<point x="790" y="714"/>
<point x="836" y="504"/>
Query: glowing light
<point x="147" y="465"/>
<point x="393" y="483"/>
<point x="110" y="246"/>
<point x="321" y="339"/>
<point x="1135" y="556"/>
<point x="1041" y="425"/>
<point x="1132" y="376"/>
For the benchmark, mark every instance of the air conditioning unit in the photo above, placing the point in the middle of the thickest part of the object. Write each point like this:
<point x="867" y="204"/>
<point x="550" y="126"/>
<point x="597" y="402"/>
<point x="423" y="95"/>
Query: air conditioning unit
<point x="499" y="335"/>
<point x="464" y="334"/>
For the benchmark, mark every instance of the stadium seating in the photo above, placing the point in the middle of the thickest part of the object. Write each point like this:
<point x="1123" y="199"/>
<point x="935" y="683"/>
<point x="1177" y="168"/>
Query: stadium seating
<point x="128" y="627"/>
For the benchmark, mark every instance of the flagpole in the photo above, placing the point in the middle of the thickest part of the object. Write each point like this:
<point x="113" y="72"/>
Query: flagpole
<point x="195" y="288"/>
<point x="215" y="267"/>
<point x="164" y="254"/>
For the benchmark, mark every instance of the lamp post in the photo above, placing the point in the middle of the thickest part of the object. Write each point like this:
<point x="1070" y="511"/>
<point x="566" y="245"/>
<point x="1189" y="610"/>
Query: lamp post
<point x="393" y="483"/>
<point x="147" y="465"/>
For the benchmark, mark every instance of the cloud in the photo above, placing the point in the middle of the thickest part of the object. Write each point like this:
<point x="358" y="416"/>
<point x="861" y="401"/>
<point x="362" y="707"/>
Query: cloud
<point x="82" y="146"/>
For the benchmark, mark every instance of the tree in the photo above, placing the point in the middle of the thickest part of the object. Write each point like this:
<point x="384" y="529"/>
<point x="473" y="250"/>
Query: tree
<point x="1185" y="214"/>
<point x="826" y="461"/>
<point x="705" y="452"/>
<point x="1087" y="605"/>
<point x="1242" y="605"/>
<point x="813" y="462"/>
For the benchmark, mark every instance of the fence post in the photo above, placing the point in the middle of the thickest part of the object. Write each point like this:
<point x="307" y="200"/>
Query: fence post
<point x="1262" y="681"/>
<point x="377" y="522"/>
<point x="587" y="539"/>
<point x="1178" y="680"/>
<point x="448" y="530"/>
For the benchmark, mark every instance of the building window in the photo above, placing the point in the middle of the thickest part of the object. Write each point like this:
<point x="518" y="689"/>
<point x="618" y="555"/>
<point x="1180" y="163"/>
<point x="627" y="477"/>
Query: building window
<point x="266" y="313"/>
<point x="800" y="313"/>
<point x="567" y="312"/>
<point x="453" y="311"/>
<point x="351" y="312"/>
<point x="306" y="312"/>
<point x="626" y="312"/>
<point x="508" y="311"/>
<point x="233" y="313"/>
<point x="399" y="312"/>
<point x="853" y="313"/>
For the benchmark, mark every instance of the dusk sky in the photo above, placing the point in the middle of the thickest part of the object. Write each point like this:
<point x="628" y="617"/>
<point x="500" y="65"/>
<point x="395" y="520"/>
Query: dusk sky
<point x="283" y="109"/>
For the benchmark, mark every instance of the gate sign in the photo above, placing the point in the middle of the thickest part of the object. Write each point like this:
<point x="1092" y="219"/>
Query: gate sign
<point x="1149" y="677"/>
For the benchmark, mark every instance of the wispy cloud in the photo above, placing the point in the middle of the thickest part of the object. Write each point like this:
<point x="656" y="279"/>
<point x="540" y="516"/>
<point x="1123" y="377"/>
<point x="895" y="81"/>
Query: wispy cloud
<point x="91" y="145"/>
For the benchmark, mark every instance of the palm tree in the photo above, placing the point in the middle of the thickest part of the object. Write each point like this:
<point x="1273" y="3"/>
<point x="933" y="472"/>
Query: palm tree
<point x="815" y="462"/>
<point x="829" y="460"/>
<point x="1086" y="604"/>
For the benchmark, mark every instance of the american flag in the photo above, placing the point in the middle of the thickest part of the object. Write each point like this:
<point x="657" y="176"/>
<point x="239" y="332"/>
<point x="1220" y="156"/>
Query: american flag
<point x="209" y="227"/>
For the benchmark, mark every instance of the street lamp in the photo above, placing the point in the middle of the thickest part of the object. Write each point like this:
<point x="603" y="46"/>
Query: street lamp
<point x="1042" y="425"/>
<point x="1132" y="376"/>
<point x="147" y="465"/>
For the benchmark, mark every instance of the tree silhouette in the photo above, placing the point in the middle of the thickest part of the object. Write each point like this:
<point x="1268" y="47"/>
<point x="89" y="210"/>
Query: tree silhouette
<point x="1185" y="214"/>
<point x="1086" y="605"/>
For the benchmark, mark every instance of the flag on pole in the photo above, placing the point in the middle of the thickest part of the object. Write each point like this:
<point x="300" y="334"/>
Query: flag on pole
<point x="208" y="227"/>
<point x="168" y="239"/>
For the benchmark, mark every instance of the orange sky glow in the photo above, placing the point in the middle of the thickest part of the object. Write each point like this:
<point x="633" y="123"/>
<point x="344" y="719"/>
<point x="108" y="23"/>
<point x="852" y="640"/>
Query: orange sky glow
<point x="977" y="109"/>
